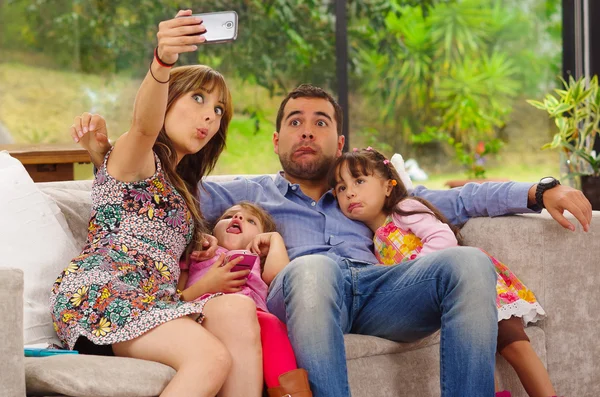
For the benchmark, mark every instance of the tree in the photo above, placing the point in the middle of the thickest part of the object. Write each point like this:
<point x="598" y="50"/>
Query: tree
<point x="452" y="76"/>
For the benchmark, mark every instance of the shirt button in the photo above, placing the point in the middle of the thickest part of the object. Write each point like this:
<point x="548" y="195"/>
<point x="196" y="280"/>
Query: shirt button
<point x="313" y="203"/>
<point x="293" y="187"/>
<point x="331" y="236"/>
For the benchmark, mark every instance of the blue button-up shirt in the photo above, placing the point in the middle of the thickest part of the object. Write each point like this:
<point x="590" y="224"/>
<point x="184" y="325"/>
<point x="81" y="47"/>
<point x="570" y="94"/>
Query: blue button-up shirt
<point x="320" y="227"/>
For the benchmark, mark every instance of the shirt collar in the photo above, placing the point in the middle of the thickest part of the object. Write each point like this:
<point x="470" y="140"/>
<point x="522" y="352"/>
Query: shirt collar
<point x="285" y="186"/>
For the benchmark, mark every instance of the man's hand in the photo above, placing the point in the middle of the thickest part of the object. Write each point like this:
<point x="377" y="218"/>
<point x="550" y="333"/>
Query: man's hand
<point x="561" y="198"/>
<point x="89" y="130"/>
<point x="209" y="247"/>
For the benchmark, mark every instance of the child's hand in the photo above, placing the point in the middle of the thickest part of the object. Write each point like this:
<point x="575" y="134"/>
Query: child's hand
<point x="89" y="130"/>
<point x="209" y="247"/>
<point x="220" y="278"/>
<point x="261" y="243"/>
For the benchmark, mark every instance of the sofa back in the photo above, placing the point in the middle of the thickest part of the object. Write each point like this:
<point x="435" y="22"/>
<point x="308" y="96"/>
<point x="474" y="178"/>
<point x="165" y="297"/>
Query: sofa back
<point x="74" y="200"/>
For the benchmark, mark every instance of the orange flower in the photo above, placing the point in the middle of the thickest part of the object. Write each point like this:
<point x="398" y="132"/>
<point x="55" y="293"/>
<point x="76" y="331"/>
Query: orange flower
<point x="412" y="242"/>
<point x="527" y="295"/>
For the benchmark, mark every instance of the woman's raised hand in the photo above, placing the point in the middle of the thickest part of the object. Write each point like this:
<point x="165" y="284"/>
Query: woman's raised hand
<point x="179" y="35"/>
<point x="89" y="130"/>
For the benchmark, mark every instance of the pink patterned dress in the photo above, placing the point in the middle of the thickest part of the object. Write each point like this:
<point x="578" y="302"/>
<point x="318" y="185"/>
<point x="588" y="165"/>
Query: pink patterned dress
<point x="124" y="283"/>
<point x="396" y="242"/>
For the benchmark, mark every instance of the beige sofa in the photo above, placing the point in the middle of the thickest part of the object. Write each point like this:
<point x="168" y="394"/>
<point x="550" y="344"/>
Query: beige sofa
<point x="561" y="267"/>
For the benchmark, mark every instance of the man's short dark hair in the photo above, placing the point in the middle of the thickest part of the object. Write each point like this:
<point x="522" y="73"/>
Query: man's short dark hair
<point x="310" y="91"/>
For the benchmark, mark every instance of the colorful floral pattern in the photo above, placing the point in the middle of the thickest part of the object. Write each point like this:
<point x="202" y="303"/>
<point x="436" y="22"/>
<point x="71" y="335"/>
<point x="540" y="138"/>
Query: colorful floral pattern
<point x="124" y="283"/>
<point x="394" y="245"/>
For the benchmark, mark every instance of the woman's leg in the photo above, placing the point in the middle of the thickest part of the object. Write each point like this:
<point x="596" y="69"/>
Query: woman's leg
<point x="514" y="346"/>
<point x="201" y="361"/>
<point x="232" y="319"/>
<point x="278" y="355"/>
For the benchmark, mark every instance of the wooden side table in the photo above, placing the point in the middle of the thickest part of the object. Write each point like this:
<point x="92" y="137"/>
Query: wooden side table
<point x="49" y="162"/>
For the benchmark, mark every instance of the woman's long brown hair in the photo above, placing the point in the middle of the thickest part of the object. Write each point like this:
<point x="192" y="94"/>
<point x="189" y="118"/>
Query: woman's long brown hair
<point x="187" y="175"/>
<point x="371" y="162"/>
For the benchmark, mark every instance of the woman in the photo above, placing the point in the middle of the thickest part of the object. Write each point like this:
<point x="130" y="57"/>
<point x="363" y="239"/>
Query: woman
<point x="119" y="296"/>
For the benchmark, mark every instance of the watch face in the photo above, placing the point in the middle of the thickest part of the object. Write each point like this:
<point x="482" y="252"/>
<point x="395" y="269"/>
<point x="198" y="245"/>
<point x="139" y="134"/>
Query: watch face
<point x="547" y="180"/>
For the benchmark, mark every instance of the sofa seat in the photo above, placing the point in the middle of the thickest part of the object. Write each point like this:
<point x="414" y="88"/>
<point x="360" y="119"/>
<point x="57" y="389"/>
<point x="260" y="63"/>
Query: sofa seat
<point x="394" y="364"/>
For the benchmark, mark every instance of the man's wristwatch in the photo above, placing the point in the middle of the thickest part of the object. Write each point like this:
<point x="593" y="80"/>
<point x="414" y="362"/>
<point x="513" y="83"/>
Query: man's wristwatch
<point x="545" y="183"/>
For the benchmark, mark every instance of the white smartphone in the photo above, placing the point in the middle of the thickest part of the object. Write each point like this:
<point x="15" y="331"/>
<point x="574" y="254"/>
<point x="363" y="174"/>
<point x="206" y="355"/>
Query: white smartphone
<point x="221" y="27"/>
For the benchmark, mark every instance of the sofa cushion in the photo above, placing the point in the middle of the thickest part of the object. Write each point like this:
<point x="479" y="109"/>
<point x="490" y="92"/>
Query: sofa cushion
<point x="362" y="346"/>
<point x="36" y="240"/>
<point x="12" y="376"/>
<point x="414" y="365"/>
<point x="95" y="376"/>
<point x="75" y="202"/>
<point x="414" y="368"/>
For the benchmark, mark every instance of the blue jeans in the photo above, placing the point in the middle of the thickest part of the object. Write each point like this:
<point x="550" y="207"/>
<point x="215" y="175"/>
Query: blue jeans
<point x="454" y="289"/>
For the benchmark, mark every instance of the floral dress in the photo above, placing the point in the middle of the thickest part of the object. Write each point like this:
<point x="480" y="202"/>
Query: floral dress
<point x="124" y="283"/>
<point x="394" y="244"/>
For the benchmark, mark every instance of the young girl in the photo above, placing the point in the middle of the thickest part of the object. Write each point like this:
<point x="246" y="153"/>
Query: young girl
<point x="120" y="295"/>
<point x="247" y="226"/>
<point x="369" y="189"/>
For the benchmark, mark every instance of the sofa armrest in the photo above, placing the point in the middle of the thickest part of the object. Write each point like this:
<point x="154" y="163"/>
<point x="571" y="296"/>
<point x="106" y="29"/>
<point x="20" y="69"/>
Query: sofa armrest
<point x="562" y="268"/>
<point x="12" y="374"/>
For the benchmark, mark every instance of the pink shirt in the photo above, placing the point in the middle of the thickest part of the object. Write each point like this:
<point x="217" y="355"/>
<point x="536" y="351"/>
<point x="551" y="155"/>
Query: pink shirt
<point x="255" y="287"/>
<point x="434" y="234"/>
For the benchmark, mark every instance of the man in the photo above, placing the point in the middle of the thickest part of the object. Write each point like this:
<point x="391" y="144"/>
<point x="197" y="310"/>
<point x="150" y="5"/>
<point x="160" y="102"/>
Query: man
<point x="331" y="286"/>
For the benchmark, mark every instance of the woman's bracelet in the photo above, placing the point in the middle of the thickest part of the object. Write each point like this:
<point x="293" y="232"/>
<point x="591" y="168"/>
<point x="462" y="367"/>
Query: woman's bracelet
<point x="160" y="61"/>
<point x="157" y="80"/>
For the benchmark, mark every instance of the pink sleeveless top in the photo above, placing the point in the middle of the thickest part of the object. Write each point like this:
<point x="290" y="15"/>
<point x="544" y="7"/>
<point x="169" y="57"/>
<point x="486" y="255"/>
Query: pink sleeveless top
<point x="255" y="287"/>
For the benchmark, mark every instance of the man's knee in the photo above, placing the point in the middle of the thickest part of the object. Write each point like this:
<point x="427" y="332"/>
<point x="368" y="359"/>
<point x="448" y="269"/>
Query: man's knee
<point x="307" y="284"/>
<point x="467" y="268"/>
<point x="311" y="274"/>
<point x="470" y="263"/>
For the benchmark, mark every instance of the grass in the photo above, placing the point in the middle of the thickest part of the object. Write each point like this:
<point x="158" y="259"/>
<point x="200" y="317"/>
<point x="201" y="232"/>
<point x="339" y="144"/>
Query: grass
<point x="38" y="106"/>
<point x="247" y="152"/>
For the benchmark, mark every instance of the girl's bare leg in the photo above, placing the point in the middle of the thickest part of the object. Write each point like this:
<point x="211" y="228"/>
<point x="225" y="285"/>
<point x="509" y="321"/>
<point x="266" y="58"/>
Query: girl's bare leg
<point x="529" y="368"/>
<point x="200" y="359"/>
<point x="232" y="319"/>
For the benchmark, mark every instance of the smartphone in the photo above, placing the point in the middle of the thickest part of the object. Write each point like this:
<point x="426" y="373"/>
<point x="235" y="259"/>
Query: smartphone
<point x="221" y="27"/>
<point x="41" y="352"/>
<point x="247" y="263"/>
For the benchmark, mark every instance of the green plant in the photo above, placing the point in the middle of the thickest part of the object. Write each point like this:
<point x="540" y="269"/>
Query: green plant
<point x="576" y="112"/>
<point x="452" y="76"/>
<point x="473" y="158"/>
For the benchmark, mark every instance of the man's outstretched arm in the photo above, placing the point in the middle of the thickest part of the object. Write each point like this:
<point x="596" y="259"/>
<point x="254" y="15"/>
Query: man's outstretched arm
<point x="495" y="199"/>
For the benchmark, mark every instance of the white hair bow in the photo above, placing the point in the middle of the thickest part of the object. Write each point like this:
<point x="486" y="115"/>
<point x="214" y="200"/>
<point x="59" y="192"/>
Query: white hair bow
<point x="398" y="163"/>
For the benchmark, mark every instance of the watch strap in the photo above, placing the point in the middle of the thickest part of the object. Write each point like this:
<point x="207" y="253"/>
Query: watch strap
<point x="541" y="188"/>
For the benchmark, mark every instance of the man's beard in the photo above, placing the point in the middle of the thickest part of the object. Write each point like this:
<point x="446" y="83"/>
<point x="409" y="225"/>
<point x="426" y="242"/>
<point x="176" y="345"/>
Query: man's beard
<point x="313" y="170"/>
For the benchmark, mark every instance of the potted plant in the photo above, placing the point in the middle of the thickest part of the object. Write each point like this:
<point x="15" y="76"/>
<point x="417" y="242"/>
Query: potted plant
<point x="576" y="112"/>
